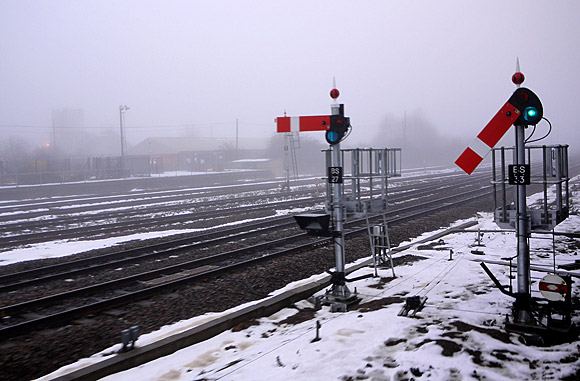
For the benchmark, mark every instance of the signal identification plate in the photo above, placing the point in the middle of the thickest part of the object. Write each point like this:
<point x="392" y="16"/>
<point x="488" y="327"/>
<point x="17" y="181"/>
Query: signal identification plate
<point x="519" y="174"/>
<point x="335" y="175"/>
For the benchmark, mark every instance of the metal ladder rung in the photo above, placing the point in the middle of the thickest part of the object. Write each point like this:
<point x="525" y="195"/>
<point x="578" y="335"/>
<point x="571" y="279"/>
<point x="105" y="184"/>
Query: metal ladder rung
<point x="544" y="238"/>
<point x="380" y="251"/>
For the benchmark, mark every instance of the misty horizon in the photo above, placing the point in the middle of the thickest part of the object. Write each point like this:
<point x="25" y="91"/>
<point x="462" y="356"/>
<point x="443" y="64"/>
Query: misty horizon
<point x="225" y="69"/>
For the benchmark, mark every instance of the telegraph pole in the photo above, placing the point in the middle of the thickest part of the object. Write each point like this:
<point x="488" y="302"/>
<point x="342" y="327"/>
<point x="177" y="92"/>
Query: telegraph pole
<point x="122" y="110"/>
<point x="237" y="145"/>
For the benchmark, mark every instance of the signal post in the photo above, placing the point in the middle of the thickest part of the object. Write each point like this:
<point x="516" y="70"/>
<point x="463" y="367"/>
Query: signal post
<point x="336" y="127"/>
<point x="522" y="109"/>
<point x="339" y="296"/>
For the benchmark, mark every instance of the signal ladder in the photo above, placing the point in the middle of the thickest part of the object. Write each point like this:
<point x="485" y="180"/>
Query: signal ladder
<point x="380" y="244"/>
<point x="291" y="144"/>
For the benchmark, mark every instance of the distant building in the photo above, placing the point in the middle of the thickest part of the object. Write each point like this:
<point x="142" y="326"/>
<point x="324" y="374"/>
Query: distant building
<point x="196" y="154"/>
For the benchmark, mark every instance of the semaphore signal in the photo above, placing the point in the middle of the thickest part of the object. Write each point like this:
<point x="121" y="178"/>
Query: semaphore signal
<point x="522" y="108"/>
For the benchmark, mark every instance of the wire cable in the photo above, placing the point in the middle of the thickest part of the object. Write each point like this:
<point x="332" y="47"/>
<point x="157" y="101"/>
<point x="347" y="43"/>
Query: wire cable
<point x="543" y="137"/>
<point x="348" y="132"/>
<point x="532" y="134"/>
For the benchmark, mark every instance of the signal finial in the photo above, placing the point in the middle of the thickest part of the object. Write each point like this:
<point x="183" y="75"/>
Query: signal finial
<point x="334" y="93"/>
<point x="518" y="77"/>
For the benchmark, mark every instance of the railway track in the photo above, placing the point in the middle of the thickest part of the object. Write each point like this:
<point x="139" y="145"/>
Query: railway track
<point x="184" y="218"/>
<point x="79" y="215"/>
<point x="51" y="309"/>
<point x="91" y="332"/>
<point x="30" y="209"/>
<point x="147" y="217"/>
<point x="13" y="281"/>
<point x="82" y="212"/>
<point x="55" y="309"/>
<point x="138" y="196"/>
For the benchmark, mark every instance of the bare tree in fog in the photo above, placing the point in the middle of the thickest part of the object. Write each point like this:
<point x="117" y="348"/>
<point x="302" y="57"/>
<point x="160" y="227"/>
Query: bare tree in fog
<point x="423" y="145"/>
<point x="15" y="155"/>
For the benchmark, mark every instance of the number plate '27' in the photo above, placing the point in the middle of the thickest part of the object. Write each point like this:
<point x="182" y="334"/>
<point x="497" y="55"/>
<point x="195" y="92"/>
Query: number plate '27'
<point x="335" y="175"/>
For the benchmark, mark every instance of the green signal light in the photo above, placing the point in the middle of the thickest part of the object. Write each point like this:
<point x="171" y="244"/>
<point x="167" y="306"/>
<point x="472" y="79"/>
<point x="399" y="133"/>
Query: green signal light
<point x="332" y="137"/>
<point x="531" y="114"/>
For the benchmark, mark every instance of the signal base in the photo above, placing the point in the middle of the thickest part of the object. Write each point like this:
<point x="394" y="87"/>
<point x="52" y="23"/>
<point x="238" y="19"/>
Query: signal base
<point x="339" y="297"/>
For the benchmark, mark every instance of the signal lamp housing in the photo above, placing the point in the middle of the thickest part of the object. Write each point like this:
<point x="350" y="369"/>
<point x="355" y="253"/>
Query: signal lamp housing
<point x="339" y="124"/>
<point x="529" y="105"/>
<point x="314" y="223"/>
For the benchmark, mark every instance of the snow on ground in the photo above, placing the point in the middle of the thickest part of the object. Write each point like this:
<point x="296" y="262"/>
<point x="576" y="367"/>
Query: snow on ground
<point x="163" y="174"/>
<point x="63" y="248"/>
<point x="458" y="335"/>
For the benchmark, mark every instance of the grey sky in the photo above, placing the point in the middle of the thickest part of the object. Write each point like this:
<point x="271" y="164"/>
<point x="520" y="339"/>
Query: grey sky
<point x="210" y="62"/>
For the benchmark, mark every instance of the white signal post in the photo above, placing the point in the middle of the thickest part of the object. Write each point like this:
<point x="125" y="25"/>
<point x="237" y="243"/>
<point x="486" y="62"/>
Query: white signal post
<point x="340" y="292"/>
<point x="339" y="296"/>
<point x="522" y="230"/>
<point x="473" y="156"/>
<point x="522" y="225"/>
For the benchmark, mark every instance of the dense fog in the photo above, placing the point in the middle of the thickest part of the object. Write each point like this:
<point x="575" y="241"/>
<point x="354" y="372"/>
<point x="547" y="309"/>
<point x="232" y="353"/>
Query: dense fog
<point x="93" y="79"/>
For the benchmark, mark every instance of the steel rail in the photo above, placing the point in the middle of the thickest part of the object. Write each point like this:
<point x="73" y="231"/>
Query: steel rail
<point x="113" y="227"/>
<point x="150" y="205"/>
<point x="65" y="316"/>
<point x="35" y="276"/>
<point x="92" y="198"/>
<point x="145" y="201"/>
<point x="203" y="191"/>
<point x="132" y="225"/>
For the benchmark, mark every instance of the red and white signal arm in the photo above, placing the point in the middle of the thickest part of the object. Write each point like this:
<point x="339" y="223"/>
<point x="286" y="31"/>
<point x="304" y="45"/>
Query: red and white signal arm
<point x="553" y="287"/>
<point x="302" y="123"/>
<point x="488" y="138"/>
